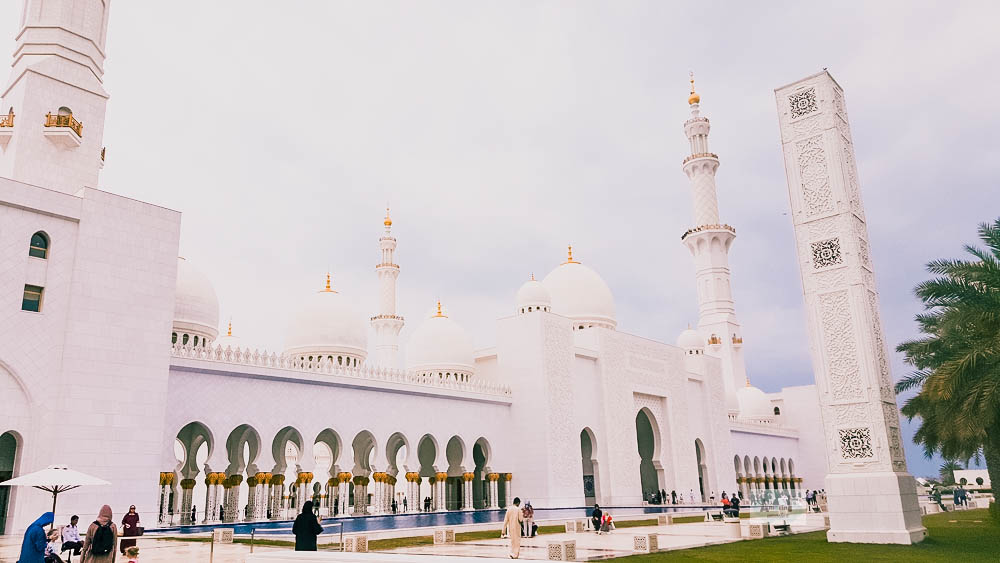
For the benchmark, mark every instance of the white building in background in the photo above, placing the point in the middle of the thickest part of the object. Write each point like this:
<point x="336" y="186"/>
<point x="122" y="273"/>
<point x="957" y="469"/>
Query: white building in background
<point x="100" y="318"/>
<point x="973" y="479"/>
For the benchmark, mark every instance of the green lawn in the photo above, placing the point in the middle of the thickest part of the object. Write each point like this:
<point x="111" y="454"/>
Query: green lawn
<point x="968" y="536"/>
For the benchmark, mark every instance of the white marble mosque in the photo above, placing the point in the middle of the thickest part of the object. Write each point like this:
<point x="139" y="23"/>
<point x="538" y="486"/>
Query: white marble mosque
<point x="567" y="407"/>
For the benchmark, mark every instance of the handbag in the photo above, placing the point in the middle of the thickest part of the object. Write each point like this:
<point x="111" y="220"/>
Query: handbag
<point x="139" y="530"/>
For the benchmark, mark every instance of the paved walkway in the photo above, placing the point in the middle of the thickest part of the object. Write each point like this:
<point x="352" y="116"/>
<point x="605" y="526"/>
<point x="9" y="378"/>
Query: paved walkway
<point x="589" y="546"/>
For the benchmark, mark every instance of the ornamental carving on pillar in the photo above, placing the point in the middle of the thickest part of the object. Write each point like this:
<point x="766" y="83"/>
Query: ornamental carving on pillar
<point x="840" y="348"/>
<point x="166" y="479"/>
<point x="441" y="476"/>
<point x="856" y="443"/>
<point x="413" y="477"/>
<point x="826" y="253"/>
<point x="278" y="479"/>
<point x="344" y="476"/>
<point x="188" y="484"/>
<point x="814" y="176"/>
<point x="803" y="103"/>
<point x="508" y="476"/>
<point x="468" y="476"/>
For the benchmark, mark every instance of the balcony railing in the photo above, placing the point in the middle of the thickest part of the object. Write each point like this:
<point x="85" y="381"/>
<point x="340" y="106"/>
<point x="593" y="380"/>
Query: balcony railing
<point x="7" y="120"/>
<point x="64" y="121"/>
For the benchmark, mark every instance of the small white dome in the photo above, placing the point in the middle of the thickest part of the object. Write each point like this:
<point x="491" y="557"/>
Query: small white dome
<point x="440" y="344"/>
<point x="753" y="403"/>
<point x="196" y="307"/>
<point x="580" y="294"/>
<point x="533" y="294"/>
<point x="329" y="326"/>
<point x="690" y="339"/>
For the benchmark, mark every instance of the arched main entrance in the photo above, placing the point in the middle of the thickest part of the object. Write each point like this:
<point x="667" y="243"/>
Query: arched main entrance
<point x="8" y="463"/>
<point x="589" y="457"/>
<point x="648" y="442"/>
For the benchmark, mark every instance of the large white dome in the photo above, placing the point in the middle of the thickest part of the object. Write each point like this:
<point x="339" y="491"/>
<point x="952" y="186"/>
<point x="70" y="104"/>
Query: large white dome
<point x="440" y="345"/>
<point x="196" y="307"/>
<point x="580" y="294"/>
<point x="753" y="403"/>
<point x="533" y="296"/>
<point x="328" y="326"/>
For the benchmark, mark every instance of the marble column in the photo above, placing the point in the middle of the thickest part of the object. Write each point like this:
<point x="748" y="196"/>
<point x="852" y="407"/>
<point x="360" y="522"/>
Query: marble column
<point x="508" y="477"/>
<point x="251" y="499"/>
<point x="360" y="494"/>
<point x="412" y="491"/>
<point x="277" y="493"/>
<point x="187" y="499"/>
<point x="467" y="490"/>
<point x="441" y="481"/>
<point x="494" y="490"/>
<point x="344" y="497"/>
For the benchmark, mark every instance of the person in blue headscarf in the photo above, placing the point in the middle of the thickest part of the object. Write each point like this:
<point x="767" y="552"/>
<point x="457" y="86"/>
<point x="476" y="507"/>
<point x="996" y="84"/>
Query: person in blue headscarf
<point x="33" y="547"/>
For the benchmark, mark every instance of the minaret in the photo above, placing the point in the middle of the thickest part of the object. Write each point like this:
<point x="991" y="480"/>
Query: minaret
<point x="387" y="323"/>
<point x="709" y="241"/>
<point x="55" y="98"/>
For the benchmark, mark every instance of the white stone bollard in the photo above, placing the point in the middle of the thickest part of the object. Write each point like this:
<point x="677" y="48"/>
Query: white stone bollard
<point x="664" y="519"/>
<point x="645" y="543"/>
<point x="445" y="535"/>
<point x="356" y="544"/>
<point x="561" y="550"/>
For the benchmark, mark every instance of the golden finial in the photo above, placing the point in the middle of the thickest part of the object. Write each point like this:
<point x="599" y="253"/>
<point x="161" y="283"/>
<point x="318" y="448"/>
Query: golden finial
<point x="748" y="381"/>
<point x="439" y="313"/>
<point x="388" y="221"/>
<point x="328" y="288"/>
<point x="569" y="256"/>
<point x="532" y="276"/>
<point x="694" y="98"/>
<point x="229" y="332"/>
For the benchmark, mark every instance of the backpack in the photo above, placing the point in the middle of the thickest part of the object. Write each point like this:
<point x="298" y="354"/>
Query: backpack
<point x="104" y="540"/>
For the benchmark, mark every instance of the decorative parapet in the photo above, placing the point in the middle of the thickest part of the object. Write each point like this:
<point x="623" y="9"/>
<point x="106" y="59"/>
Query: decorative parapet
<point x="7" y="120"/>
<point x="323" y="366"/>
<point x="64" y="121"/>
<point x="708" y="228"/>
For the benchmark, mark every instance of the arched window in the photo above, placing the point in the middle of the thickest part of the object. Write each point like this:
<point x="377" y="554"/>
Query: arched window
<point x="979" y="481"/>
<point x="777" y="411"/>
<point x="184" y="340"/>
<point x="39" y="245"/>
<point x="340" y="360"/>
<point x="529" y="309"/>
<point x="65" y="111"/>
<point x="173" y="338"/>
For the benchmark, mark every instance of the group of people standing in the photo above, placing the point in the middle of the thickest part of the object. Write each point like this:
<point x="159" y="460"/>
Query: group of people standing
<point x="98" y="546"/>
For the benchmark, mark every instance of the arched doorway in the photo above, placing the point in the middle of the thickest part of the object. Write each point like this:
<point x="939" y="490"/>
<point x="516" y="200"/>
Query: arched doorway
<point x="8" y="465"/>
<point x="481" y="457"/>
<point x="591" y="492"/>
<point x="648" y="441"/>
<point x="703" y="482"/>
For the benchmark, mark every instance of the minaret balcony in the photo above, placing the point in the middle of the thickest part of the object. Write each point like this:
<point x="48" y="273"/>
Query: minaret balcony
<point x="700" y="155"/>
<point x="704" y="228"/>
<point x="6" y="128"/>
<point x="387" y="265"/>
<point x="63" y="130"/>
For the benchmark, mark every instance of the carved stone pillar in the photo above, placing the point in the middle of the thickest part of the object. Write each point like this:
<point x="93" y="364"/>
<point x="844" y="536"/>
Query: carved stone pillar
<point x="508" y="477"/>
<point x="251" y="498"/>
<point x="872" y="496"/>
<point x="263" y="495"/>
<point x="413" y="492"/>
<point x="187" y="499"/>
<point x="303" y="491"/>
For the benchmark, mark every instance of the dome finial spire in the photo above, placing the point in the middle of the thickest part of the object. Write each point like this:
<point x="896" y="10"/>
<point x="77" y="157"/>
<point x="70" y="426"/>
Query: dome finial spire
<point x="388" y="221"/>
<point x="569" y="255"/>
<point x="694" y="98"/>
<point x="328" y="282"/>
<point x="229" y="331"/>
<point x="439" y="313"/>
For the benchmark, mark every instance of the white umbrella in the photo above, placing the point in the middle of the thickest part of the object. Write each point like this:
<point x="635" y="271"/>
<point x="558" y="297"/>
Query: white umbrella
<point x="54" y="479"/>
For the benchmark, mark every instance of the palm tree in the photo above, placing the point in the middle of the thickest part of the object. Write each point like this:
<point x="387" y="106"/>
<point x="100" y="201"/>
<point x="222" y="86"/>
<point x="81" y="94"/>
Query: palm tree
<point x="947" y="471"/>
<point x="957" y="359"/>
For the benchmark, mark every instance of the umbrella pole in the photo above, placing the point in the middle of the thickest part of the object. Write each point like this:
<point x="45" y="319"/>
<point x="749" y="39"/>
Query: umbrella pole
<point x="53" y="523"/>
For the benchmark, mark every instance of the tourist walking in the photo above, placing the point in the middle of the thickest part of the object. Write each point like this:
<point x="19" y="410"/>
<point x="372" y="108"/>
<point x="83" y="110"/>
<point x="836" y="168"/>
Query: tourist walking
<point x="512" y="523"/>
<point x="404" y="504"/>
<point x="595" y="518"/>
<point x="71" y="536"/>
<point x="673" y="497"/>
<point x="99" y="545"/>
<point x="130" y="528"/>
<point x="306" y="528"/>
<point x="34" y="543"/>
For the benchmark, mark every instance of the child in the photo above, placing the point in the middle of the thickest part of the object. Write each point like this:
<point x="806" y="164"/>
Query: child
<point x="52" y="548"/>
<point x="133" y="554"/>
